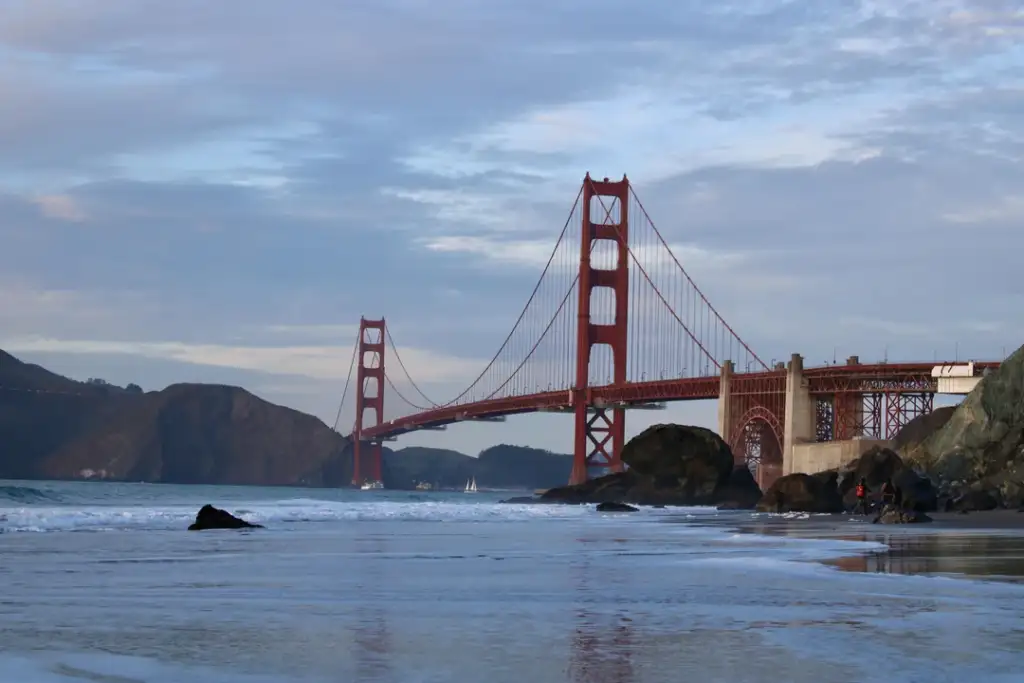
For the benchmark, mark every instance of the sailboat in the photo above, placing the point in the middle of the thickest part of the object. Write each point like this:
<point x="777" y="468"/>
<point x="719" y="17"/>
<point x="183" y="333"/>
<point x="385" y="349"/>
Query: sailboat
<point x="471" y="485"/>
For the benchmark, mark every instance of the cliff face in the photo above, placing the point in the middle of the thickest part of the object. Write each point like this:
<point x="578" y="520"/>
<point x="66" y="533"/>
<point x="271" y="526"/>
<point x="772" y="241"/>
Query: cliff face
<point x="982" y="443"/>
<point x="52" y="427"/>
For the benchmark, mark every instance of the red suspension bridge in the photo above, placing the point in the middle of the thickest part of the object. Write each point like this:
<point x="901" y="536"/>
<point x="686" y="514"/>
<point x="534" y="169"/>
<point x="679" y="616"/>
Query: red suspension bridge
<point x="616" y="323"/>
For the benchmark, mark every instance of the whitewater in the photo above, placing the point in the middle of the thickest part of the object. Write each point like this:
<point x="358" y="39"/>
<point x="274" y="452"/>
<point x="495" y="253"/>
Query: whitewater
<point x="101" y="582"/>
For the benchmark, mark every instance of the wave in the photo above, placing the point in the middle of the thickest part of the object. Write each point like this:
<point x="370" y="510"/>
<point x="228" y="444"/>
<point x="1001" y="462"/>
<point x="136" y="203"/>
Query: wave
<point x="27" y="495"/>
<point x="48" y="518"/>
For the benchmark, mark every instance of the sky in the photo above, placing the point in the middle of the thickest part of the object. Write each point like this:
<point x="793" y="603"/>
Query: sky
<point x="216" y="192"/>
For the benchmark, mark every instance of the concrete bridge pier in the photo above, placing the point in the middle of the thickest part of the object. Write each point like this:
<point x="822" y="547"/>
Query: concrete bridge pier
<point x="725" y="425"/>
<point x="799" y="420"/>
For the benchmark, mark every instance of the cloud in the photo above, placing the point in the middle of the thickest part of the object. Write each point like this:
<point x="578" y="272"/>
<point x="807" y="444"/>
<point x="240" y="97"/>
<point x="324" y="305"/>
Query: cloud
<point x="315" y="362"/>
<point x="60" y="207"/>
<point x="315" y="331"/>
<point x="1007" y="209"/>
<point x="832" y="175"/>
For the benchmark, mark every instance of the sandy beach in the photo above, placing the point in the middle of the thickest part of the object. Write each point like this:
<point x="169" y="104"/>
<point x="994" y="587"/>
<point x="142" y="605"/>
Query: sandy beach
<point x="981" y="545"/>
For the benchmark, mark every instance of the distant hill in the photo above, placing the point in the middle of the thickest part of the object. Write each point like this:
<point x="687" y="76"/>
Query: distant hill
<point x="498" y="467"/>
<point x="53" y="427"/>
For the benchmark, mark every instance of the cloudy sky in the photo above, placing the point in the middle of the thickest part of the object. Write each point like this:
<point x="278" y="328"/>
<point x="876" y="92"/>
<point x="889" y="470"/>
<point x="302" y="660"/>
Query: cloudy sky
<point x="216" y="191"/>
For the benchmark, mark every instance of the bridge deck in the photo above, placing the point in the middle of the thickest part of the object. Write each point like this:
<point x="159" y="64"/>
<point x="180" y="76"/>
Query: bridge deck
<point x="889" y="377"/>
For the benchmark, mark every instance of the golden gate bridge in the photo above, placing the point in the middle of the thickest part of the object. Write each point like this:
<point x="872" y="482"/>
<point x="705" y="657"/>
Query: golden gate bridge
<point x="616" y="323"/>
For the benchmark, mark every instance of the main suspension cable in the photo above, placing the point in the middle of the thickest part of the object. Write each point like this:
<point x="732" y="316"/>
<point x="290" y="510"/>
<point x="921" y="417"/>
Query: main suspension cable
<point x="348" y="380"/>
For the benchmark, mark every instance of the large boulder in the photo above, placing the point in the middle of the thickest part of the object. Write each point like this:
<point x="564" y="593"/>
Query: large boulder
<point x="803" y="493"/>
<point x="210" y="517"/>
<point x="668" y="465"/>
<point x="693" y="455"/>
<point x="878" y="465"/>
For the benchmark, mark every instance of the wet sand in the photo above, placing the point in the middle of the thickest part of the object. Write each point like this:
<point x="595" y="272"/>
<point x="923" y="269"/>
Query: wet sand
<point x="980" y="545"/>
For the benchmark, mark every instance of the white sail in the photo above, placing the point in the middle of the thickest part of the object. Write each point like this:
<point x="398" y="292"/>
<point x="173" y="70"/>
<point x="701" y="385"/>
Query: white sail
<point x="471" y="485"/>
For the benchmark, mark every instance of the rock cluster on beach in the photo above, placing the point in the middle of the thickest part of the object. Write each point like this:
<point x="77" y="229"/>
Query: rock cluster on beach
<point x="967" y="458"/>
<point x="670" y="465"/>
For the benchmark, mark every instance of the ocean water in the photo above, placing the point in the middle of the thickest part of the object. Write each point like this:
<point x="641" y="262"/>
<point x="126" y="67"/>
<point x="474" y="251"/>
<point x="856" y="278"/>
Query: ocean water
<point x="100" y="582"/>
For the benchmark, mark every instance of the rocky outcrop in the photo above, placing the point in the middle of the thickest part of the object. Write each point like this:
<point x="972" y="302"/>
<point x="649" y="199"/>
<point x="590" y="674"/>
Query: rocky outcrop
<point x="667" y="465"/>
<point x="803" y="493"/>
<point x="210" y="517"/>
<point x="877" y="466"/>
<point x="891" y="514"/>
<point x="981" y="447"/>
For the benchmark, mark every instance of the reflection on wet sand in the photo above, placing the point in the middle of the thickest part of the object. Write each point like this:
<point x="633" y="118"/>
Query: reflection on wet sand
<point x="603" y="641"/>
<point x="371" y="640"/>
<point x="995" y="555"/>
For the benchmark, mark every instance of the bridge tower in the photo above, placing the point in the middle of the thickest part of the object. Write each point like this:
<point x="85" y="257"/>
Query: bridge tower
<point x="369" y="396"/>
<point x="601" y="430"/>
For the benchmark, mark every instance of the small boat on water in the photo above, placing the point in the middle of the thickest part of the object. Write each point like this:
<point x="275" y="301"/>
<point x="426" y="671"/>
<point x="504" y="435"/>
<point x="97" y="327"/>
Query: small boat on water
<point x="471" y="485"/>
<point x="369" y="485"/>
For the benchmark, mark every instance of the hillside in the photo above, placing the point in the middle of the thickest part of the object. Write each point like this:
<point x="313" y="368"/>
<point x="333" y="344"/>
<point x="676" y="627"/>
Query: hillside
<point x="52" y="427"/>
<point x="979" y="446"/>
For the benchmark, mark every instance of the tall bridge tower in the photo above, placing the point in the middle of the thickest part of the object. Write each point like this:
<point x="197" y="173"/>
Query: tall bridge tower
<point x="369" y="396"/>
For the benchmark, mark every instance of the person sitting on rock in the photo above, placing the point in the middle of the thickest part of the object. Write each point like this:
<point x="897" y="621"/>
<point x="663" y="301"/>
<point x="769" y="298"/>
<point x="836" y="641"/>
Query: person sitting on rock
<point x="862" y="497"/>
<point x="888" y="493"/>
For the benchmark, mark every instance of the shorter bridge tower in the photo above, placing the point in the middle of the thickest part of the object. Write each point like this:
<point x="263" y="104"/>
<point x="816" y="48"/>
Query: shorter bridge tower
<point x="369" y="396"/>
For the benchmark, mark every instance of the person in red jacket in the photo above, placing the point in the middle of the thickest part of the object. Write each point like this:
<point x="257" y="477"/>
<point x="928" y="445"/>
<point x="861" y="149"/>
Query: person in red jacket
<point x="862" y="497"/>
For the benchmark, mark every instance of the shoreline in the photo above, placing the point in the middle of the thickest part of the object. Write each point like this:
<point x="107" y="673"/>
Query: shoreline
<point x="985" y="546"/>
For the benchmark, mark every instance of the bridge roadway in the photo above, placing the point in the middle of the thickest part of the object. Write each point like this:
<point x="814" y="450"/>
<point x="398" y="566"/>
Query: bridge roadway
<point x="851" y="378"/>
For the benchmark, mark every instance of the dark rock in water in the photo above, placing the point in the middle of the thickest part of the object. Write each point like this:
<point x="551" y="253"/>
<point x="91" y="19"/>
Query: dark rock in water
<point x="891" y="514"/>
<point x="803" y="493"/>
<point x="616" y="507"/>
<point x="210" y="517"/>
<point x="611" y="487"/>
<point x="668" y="465"/>
<point x="877" y="466"/>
